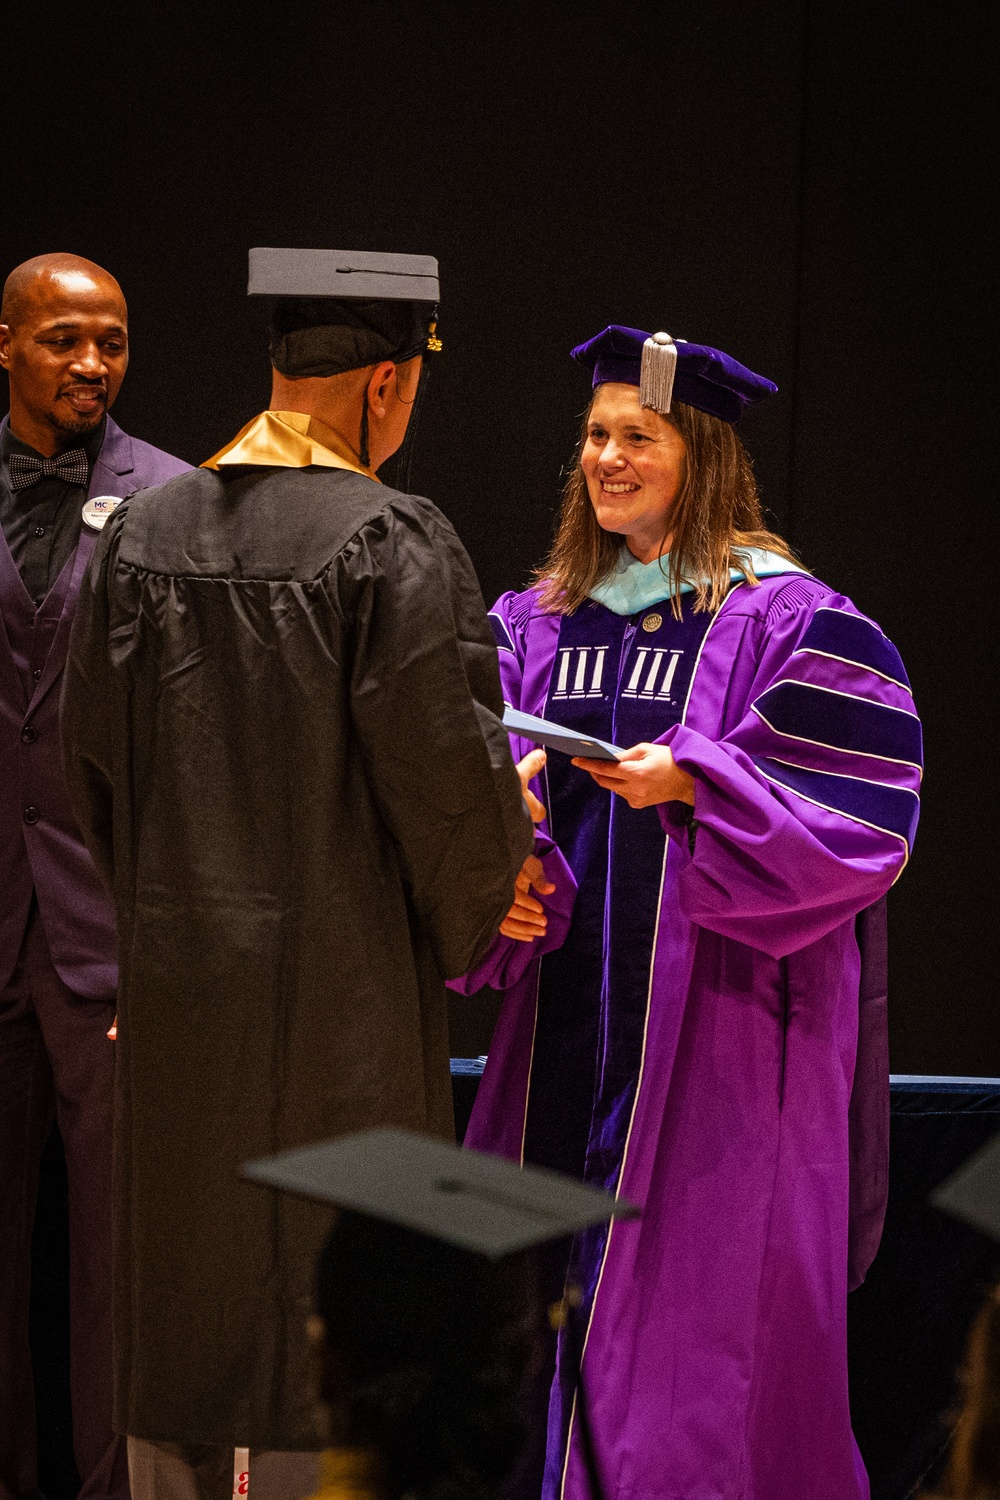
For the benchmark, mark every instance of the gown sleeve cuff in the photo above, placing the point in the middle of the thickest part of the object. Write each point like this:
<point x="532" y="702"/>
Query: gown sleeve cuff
<point x="506" y="960"/>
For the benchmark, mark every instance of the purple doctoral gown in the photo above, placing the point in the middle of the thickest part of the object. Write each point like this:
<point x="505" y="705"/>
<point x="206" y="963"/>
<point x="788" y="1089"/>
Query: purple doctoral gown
<point x="687" y="1033"/>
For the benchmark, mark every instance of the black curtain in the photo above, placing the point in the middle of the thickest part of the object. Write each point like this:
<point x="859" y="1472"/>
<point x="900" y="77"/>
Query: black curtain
<point x="806" y="184"/>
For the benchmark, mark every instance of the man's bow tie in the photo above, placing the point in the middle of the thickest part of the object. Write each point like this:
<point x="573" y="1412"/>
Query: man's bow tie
<point x="26" y="470"/>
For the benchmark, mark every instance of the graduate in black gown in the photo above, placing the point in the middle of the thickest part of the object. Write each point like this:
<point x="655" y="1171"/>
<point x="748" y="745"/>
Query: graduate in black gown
<point x="281" y="734"/>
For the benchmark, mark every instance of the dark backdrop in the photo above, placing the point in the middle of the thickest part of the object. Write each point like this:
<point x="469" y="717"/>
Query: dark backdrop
<point x="802" y="182"/>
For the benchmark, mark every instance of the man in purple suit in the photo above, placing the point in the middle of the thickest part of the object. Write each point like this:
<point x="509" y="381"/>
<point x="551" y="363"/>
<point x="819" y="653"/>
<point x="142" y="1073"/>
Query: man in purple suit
<point x="64" y="345"/>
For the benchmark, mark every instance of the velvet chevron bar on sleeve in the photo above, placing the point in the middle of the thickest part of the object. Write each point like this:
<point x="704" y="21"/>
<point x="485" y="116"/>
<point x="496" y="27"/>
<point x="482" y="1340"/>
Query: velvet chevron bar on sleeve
<point x="845" y="732"/>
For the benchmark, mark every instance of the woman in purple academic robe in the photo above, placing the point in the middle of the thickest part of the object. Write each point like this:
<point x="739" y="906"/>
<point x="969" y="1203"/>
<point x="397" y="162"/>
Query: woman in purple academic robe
<point x="695" y="966"/>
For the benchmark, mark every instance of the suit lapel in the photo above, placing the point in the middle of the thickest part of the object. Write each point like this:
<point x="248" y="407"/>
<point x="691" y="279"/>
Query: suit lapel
<point x="114" y="465"/>
<point x="18" y="602"/>
<point x="11" y="589"/>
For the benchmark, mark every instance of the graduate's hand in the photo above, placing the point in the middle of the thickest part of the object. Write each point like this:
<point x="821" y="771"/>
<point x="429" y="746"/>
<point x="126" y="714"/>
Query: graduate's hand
<point x="526" y="919"/>
<point x="526" y="769"/>
<point x="645" y="775"/>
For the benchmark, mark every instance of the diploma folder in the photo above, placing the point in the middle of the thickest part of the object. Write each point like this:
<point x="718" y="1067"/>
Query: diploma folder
<point x="557" y="736"/>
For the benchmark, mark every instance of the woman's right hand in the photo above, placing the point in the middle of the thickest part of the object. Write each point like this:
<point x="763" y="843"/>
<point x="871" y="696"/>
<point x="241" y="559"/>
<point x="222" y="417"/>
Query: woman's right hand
<point x="526" y="919"/>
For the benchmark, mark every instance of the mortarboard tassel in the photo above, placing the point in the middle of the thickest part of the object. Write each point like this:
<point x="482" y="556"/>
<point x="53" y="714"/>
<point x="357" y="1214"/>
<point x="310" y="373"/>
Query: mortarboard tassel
<point x="656" y="374"/>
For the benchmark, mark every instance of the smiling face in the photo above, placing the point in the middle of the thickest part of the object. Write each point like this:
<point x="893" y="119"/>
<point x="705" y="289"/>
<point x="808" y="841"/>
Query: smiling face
<point x="634" y="462"/>
<point x="64" y="344"/>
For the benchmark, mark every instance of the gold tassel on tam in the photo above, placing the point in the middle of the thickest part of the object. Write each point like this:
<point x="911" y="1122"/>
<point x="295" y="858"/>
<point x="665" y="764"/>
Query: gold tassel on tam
<point x="656" y="374"/>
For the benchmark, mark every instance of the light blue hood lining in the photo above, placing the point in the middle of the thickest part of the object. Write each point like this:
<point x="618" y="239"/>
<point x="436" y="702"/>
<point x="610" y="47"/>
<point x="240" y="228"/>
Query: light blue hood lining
<point x="635" y="585"/>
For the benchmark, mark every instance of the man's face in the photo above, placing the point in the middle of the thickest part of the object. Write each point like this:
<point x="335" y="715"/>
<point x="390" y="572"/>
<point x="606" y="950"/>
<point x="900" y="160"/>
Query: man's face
<point x="66" y="354"/>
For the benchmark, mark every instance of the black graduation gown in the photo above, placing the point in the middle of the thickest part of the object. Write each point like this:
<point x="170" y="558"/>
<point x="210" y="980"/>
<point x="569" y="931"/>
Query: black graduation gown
<point x="279" y="730"/>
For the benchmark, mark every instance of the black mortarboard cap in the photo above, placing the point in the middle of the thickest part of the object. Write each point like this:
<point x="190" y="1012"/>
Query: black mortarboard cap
<point x="367" y="275"/>
<point x="475" y="1202"/>
<point x="338" y="310"/>
<point x="973" y="1192"/>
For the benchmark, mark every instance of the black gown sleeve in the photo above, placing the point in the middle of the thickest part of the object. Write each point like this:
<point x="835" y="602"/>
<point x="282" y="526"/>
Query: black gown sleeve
<point x="425" y="704"/>
<point x="85" y="703"/>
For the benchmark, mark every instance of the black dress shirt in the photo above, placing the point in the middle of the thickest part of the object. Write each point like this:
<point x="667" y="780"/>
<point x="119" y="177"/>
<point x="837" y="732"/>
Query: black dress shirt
<point x="42" y="523"/>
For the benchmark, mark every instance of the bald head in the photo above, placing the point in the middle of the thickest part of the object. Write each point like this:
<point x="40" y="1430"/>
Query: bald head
<point x="64" y="345"/>
<point x="58" y="273"/>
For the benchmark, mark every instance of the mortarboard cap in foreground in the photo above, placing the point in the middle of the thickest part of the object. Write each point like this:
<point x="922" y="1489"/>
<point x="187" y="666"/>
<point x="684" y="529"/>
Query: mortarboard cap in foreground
<point x="475" y="1202"/>
<point x="973" y="1192"/>
<point x="667" y="369"/>
<point x="338" y="310"/>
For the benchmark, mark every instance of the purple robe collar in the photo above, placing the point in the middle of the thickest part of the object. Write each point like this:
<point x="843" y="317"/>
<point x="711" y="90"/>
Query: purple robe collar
<point x="635" y="585"/>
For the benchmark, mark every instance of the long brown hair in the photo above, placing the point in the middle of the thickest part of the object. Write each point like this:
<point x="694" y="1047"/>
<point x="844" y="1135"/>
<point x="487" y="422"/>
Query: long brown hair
<point x="716" y="516"/>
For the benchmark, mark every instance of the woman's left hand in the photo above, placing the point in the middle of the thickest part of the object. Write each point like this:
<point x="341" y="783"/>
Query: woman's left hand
<point x="645" y="775"/>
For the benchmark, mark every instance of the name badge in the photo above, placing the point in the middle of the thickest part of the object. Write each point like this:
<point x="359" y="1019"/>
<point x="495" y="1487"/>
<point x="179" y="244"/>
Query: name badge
<point x="97" y="510"/>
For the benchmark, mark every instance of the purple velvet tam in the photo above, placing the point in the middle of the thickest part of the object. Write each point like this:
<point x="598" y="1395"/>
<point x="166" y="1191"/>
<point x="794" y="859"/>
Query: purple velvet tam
<point x="705" y="378"/>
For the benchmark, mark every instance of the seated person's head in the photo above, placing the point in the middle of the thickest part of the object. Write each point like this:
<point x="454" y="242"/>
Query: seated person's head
<point x="423" y="1349"/>
<point x="429" y="1314"/>
<point x="974" y="1467"/>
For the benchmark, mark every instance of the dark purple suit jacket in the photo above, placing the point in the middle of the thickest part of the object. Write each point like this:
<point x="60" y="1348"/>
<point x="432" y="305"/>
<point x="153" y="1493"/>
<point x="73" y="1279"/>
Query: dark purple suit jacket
<point x="40" y="844"/>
